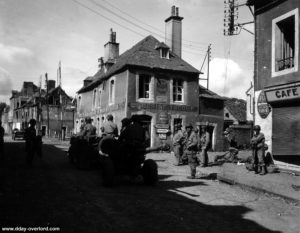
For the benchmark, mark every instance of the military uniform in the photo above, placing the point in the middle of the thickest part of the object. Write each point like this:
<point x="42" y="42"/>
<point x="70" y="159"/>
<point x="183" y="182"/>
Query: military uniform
<point x="177" y="146"/>
<point x="109" y="128"/>
<point x="204" y="146"/>
<point x="258" y="152"/>
<point x="191" y="152"/>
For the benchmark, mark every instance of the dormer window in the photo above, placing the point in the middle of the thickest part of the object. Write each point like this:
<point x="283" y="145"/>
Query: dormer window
<point x="164" y="53"/>
<point x="164" y="50"/>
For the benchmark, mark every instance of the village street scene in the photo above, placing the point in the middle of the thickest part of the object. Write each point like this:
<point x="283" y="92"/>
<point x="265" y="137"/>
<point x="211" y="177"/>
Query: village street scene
<point x="143" y="116"/>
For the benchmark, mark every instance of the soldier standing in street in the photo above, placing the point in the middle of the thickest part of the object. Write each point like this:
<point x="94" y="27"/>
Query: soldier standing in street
<point x="191" y="150"/>
<point x="258" y="151"/>
<point x="178" y="144"/>
<point x="204" y="145"/>
<point x="30" y="140"/>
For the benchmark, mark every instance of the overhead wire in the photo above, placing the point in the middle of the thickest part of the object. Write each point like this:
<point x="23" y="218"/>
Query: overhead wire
<point x="123" y="26"/>
<point x="157" y="29"/>
<point x="135" y="24"/>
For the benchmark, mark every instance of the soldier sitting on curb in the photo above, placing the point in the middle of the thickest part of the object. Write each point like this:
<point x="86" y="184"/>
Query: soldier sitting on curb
<point x="231" y="155"/>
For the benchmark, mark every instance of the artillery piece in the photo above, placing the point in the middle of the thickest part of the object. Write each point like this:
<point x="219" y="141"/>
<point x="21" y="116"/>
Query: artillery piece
<point x="114" y="158"/>
<point x="118" y="158"/>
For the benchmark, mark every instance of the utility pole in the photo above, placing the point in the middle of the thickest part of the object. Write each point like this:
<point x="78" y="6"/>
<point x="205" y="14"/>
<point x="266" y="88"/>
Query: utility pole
<point x="47" y="104"/>
<point x="208" y="61"/>
<point x="208" y="56"/>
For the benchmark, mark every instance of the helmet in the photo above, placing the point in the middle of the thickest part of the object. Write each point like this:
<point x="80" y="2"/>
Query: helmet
<point x="189" y="125"/>
<point x="126" y="121"/>
<point x="88" y="120"/>
<point x="32" y="122"/>
<point x="109" y="117"/>
<point x="256" y="127"/>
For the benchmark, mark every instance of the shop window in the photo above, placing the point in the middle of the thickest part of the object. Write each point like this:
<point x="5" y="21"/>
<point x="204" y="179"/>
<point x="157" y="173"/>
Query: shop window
<point x="285" y="40"/>
<point x="144" y="86"/>
<point x="178" y="90"/>
<point x="177" y="121"/>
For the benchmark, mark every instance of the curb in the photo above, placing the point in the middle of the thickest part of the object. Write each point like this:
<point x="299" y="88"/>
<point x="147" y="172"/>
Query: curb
<point x="227" y="180"/>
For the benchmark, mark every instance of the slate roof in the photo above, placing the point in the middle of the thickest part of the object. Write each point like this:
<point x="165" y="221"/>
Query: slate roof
<point x="237" y="108"/>
<point x="206" y="93"/>
<point x="144" y="55"/>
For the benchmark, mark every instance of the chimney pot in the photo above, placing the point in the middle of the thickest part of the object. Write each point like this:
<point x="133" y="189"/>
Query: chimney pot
<point x="173" y="11"/>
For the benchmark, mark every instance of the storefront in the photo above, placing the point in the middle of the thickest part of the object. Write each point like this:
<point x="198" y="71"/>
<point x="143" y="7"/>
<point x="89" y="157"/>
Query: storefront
<point x="285" y="103"/>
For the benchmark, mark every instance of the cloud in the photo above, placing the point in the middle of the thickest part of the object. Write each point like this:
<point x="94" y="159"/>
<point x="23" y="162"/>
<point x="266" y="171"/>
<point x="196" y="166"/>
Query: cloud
<point x="5" y="85"/>
<point x="227" y="78"/>
<point x="9" y="52"/>
<point x="72" y="80"/>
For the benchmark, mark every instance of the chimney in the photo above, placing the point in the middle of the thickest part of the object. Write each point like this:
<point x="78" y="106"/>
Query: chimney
<point x="51" y="84"/>
<point x="111" y="48"/>
<point x="174" y="31"/>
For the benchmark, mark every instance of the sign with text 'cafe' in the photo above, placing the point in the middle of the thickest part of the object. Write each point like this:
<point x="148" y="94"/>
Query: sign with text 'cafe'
<point x="289" y="93"/>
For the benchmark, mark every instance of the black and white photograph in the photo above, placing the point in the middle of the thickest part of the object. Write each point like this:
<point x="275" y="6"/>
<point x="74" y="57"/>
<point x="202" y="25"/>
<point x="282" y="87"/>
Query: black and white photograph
<point x="142" y="116"/>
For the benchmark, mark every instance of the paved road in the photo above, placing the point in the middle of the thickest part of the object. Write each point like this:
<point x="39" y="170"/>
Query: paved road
<point x="53" y="193"/>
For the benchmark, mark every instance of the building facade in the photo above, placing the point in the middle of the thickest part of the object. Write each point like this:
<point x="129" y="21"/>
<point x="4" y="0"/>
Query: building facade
<point x="53" y="111"/>
<point x="277" y="74"/>
<point x="150" y="80"/>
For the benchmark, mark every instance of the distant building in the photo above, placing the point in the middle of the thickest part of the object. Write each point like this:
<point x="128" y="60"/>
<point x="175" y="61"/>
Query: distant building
<point x="277" y="74"/>
<point x="150" y="80"/>
<point x="33" y="102"/>
<point x="235" y="117"/>
<point x="211" y="110"/>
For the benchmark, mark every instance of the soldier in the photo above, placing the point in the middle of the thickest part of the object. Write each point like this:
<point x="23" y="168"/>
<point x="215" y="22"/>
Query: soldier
<point x="89" y="130"/>
<point x="204" y="145"/>
<point x="191" y="150"/>
<point x="231" y="155"/>
<point x="133" y="139"/>
<point x="258" y="151"/>
<point x="109" y="128"/>
<point x="1" y="141"/>
<point x="178" y="144"/>
<point x="30" y="140"/>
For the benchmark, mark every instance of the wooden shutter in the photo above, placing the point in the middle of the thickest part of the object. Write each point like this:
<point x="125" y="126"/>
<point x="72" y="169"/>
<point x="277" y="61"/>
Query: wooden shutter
<point x="286" y="131"/>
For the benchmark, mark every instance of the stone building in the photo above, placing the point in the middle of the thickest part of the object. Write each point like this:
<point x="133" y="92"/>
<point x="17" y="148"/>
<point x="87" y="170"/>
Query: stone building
<point x="53" y="110"/>
<point x="150" y="79"/>
<point x="277" y="74"/>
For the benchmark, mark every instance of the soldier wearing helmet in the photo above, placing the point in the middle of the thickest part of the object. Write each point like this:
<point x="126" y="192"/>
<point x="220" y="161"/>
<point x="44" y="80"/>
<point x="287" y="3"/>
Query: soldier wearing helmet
<point x="178" y="144"/>
<point x="204" y="145"/>
<point x="191" y="149"/>
<point x="89" y="130"/>
<point x="258" y="151"/>
<point x="109" y="128"/>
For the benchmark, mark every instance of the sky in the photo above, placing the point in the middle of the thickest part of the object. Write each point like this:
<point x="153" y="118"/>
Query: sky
<point x="36" y="34"/>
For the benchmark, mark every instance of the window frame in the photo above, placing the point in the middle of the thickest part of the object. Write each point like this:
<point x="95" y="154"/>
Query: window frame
<point x="112" y="91"/>
<point x="275" y="22"/>
<point x="138" y="79"/>
<point x="183" y="91"/>
<point x="167" y="52"/>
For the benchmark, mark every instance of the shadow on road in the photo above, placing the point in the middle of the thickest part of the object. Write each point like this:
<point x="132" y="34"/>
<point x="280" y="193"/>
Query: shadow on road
<point x="54" y="193"/>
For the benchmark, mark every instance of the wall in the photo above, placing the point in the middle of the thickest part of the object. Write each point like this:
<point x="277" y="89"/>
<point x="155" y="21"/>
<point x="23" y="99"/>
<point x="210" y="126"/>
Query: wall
<point x="263" y="40"/>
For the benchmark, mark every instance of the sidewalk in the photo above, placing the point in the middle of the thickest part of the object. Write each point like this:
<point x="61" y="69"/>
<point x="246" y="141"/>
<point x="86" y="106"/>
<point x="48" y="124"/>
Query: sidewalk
<point x="286" y="183"/>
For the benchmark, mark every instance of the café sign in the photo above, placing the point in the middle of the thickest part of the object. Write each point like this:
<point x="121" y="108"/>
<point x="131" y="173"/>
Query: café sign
<point x="290" y="93"/>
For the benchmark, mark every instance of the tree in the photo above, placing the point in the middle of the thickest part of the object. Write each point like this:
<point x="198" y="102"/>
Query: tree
<point x="2" y="107"/>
